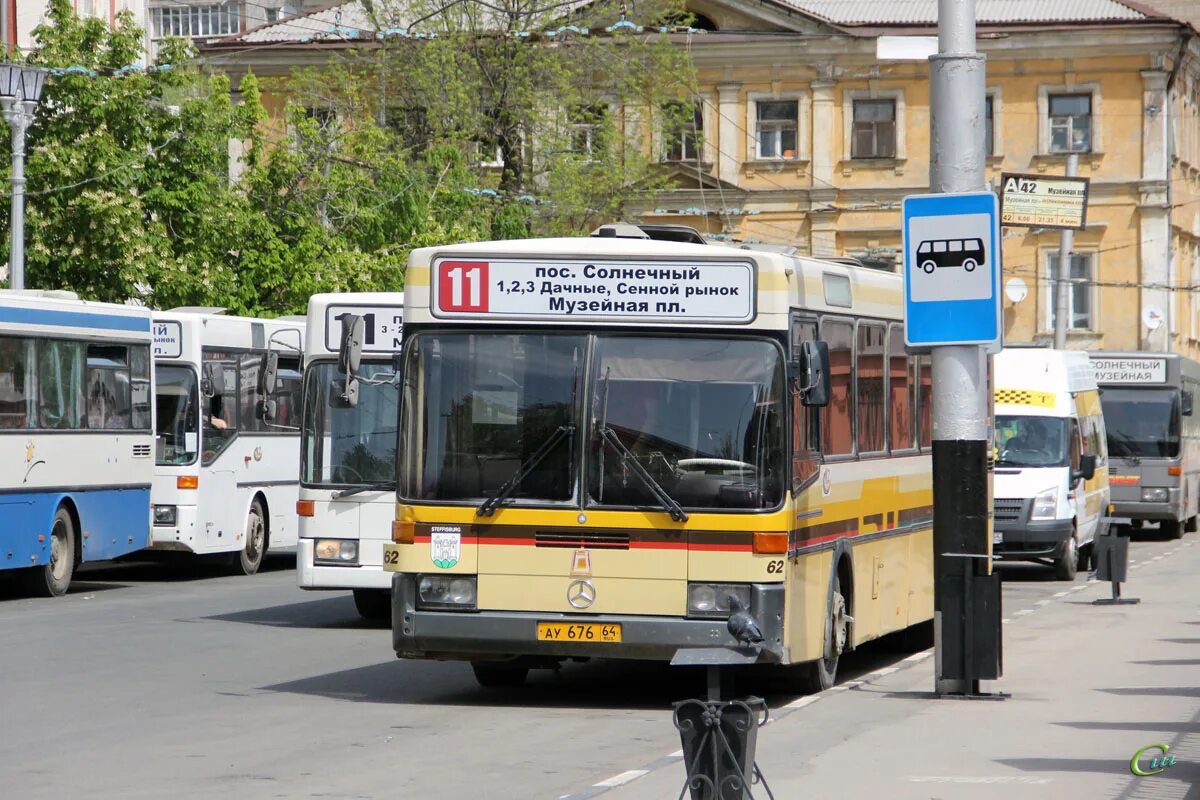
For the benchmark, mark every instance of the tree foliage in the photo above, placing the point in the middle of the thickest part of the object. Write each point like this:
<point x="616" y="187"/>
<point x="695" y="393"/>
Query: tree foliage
<point x="392" y="147"/>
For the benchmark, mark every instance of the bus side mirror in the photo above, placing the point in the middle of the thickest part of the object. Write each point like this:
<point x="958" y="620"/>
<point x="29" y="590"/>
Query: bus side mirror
<point x="1087" y="467"/>
<point x="1186" y="402"/>
<point x="350" y="352"/>
<point x="814" y="374"/>
<point x="345" y="391"/>
<point x="212" y="383"/>
<point x="268" y="374"/>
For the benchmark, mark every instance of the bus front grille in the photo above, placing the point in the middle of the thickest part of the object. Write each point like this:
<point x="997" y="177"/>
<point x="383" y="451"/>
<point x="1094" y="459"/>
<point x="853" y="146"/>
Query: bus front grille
<point x="605" y="540"/>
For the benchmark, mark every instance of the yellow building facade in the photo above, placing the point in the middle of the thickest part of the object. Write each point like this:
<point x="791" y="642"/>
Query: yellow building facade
<point x="815" y="118"/>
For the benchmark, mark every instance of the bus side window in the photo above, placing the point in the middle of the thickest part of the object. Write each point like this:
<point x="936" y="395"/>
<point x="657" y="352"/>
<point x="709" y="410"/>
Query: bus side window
<point x="806" y="456"/>
<point x="925" y="400"/>
<point x="14" y="380"/>
<point x="109" y="392"/>
<point x="838" y="420"/>
<point x="901" y="392"/>
<point x="288" y="393"/>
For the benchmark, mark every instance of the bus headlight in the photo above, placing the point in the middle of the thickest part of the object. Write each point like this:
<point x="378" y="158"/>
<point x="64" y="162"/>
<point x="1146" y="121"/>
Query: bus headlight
<point x="1045" y="505"/>
<point x="446" y="592"/>
<point x="336" y="551"/>
<point x="712" y="599"/>
<point x="165" y="515"/>
<point x="1154" y="494"/>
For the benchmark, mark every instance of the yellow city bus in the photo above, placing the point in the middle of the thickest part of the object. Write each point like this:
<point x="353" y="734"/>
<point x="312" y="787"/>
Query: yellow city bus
<point x="605" y="441"/>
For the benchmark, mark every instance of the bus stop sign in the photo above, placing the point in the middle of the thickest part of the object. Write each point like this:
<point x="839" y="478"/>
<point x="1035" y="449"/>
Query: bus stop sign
<point x="951" y="270"/>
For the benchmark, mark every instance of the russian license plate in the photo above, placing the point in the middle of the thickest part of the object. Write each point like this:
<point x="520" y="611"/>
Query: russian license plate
<point x="578" y="632"/>
<point x="997" y="537"/>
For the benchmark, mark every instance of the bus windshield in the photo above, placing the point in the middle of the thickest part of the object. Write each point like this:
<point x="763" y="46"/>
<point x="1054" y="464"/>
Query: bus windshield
<point x="1031" y="441"/>
<point x="349" y="446"/>
<point x="1141" y="423"/>
<point x="702" y="416"/>
<point x="177" y="400"/>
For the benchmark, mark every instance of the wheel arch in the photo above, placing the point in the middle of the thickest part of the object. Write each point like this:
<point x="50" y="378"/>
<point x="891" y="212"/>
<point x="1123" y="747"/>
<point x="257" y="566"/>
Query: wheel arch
<point x="261" y="497"/>
<point x="68" y="503"/>
<point x="842" y="573"/>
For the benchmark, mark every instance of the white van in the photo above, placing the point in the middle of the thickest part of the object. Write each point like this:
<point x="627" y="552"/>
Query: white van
<point x="1051" y="459"/>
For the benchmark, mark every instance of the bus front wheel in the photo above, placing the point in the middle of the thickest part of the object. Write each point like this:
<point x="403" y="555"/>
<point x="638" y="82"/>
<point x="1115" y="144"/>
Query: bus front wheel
<point x="817" y="676"/>
<point x="929" y="266"/>
<point x="53" y="579"/>
<point x="373" y="604"/>
<point x="250" y="559"/>
<point x="490" y="674"/>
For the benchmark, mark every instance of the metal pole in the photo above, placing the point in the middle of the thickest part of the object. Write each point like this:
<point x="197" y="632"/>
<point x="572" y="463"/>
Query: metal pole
<point x="5" y="23"/>
<point x="960" y="402"/>
<point x="18" y="115"/>
<point x="1062" y="282"/>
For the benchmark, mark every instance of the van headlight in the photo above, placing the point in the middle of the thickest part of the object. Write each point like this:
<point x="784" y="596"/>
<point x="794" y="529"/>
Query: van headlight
<point x="1154" y="494"/>
<point x="452" y="592"/>
<point x="1045" y="505"/>
<point x="712" y="599"/>
<point x="336" y="551"/>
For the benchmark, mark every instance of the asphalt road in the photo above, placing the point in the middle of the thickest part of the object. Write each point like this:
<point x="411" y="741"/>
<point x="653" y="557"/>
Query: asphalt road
<point x="154" y="681"/>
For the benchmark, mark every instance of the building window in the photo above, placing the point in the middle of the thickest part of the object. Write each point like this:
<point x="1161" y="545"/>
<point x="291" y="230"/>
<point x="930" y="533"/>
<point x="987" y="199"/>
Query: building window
<point x="874" y="134"/>
<point x="776" y="128"/>
<point x="193" y="21"/>
<point x="1079" y="298"/>
<point x="272" y="14"/>
<point x="683" y="125"/>
<point x="586" y="125"/>
<point x="989" y="127"/>
<point x="1070" y="123"/>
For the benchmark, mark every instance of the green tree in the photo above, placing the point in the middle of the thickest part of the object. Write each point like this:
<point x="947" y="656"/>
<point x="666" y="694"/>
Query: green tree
<point x="131" y="196"/>
<point x="543" y="101"/>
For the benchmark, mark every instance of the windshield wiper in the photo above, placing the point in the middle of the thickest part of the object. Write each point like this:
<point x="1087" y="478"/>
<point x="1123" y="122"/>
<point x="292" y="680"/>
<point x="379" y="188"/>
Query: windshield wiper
<point x="366" y="487"/>
<point x="488" y="507"/>
<point x="668" y="503"/>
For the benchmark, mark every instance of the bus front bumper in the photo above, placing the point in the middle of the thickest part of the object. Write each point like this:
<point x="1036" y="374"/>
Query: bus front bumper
<point x="310" y="575"/>
<point x="1171" y="509"/>
<point x="490" y="635"/>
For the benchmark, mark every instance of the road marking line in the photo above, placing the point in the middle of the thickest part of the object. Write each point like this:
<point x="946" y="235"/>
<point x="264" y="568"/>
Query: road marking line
<point x="988" y="779"/>
<point x="924" y="654"/>
<point x="885" y="671"/>
<point x="1023" y="612"/>
<point x="676" y="754"/>
<point x="1064" y="593"/>
<point x="1042" y="602"/>
<point x="799" y="702"/>
<point x="622" y="779"/>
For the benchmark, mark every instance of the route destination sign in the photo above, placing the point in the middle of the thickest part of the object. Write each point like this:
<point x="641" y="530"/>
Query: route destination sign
<point x="1043" y="201"/>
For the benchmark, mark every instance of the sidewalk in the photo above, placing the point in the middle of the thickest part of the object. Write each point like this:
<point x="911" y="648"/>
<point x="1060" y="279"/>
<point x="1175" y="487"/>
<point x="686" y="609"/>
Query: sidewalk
<point x="1089" y="685"/>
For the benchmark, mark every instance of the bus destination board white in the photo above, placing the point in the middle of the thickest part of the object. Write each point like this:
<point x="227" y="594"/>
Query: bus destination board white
<point x="381" y="330"/>
<point x="1043" y="201"/>
<point x="168" y="339"/>
<point x="1130" y="370"/>
<point x="704" y="291"/>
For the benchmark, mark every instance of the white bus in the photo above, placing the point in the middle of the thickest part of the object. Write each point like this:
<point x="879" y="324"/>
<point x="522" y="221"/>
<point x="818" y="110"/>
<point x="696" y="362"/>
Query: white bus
<point x="228" y="429"/>
<point x="348" y="460"/>
<point x="76" y="421"/>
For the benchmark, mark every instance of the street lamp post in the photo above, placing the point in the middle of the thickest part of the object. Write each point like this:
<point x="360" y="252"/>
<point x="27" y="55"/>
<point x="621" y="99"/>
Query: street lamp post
<point x="20" y="91"/>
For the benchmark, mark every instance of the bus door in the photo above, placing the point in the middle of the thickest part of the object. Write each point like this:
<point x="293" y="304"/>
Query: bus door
<point x="217" y="495"/>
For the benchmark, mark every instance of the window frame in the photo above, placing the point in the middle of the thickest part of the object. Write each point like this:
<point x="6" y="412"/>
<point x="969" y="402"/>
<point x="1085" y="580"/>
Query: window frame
<point x="1048" y="284"/>
<point x="897" y="95"/>
<point x="1045" y="91"/>
<point x="753" y="141"/>
<point x="696" y="135"/>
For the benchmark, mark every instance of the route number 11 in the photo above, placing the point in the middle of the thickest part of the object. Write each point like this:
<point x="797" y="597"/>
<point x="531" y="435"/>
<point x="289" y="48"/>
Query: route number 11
<point x="463" y="286"/>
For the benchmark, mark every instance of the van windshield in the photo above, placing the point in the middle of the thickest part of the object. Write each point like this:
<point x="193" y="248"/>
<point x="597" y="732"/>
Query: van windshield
<point x="1031" y="441"/>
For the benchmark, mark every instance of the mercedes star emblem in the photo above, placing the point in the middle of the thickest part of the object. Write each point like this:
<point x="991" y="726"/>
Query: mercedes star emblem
<point x="581" y="594"/>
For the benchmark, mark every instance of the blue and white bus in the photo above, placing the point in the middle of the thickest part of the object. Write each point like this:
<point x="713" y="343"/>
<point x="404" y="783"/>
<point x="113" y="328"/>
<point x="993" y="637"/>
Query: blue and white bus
<point x="77" y="431"/>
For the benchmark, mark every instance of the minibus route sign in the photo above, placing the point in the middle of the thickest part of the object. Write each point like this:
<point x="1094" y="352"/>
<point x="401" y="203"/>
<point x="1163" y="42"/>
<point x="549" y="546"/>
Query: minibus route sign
<point x="168" y="339"/>
<point x="381" y="331"/>
<point x="1130" y="370"/>
<point x="700" y="291"/>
